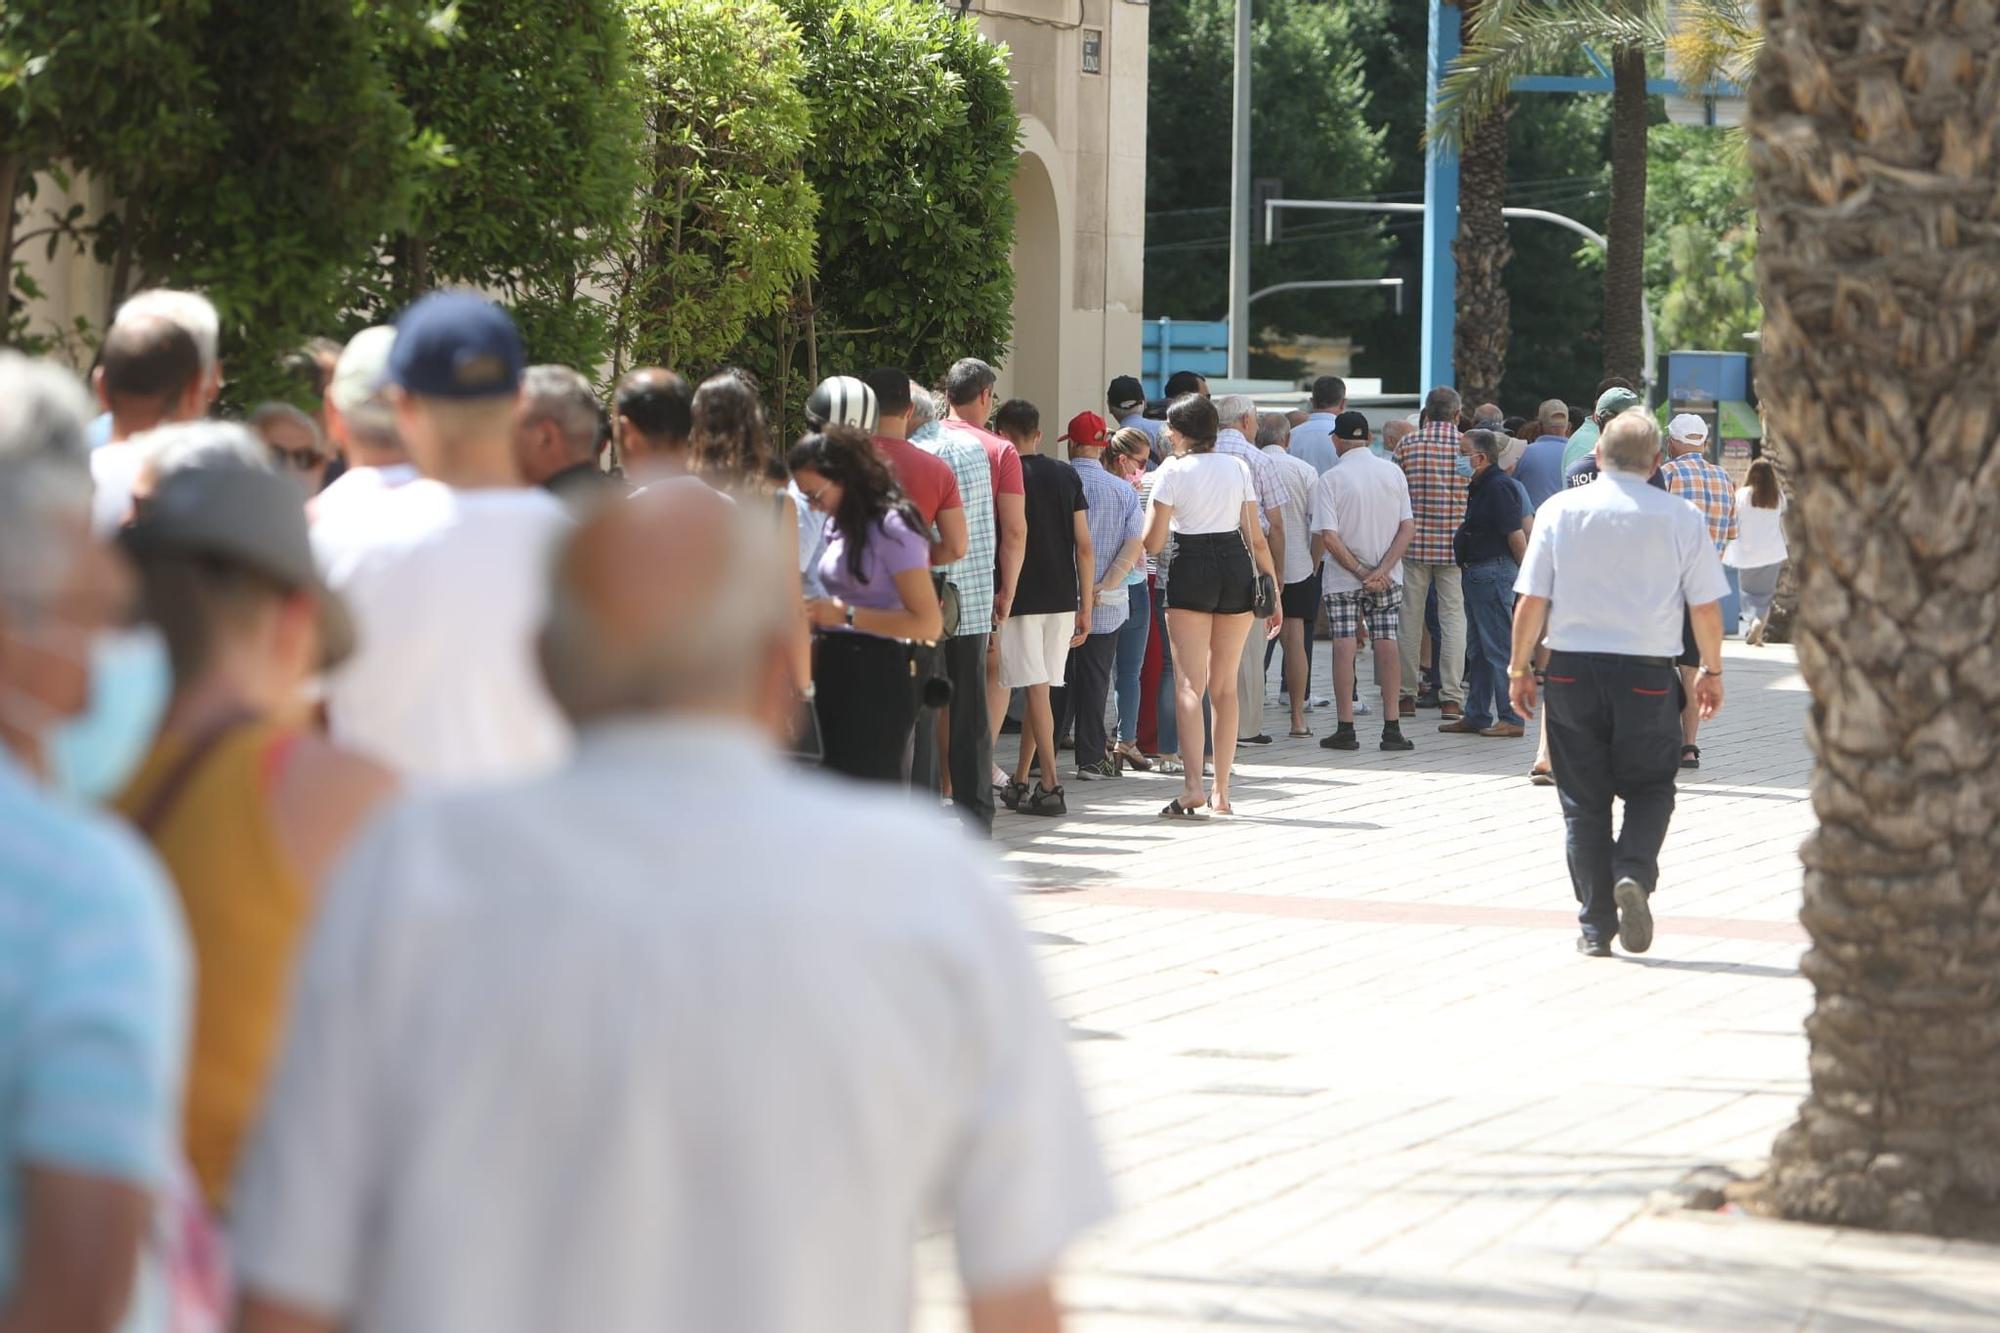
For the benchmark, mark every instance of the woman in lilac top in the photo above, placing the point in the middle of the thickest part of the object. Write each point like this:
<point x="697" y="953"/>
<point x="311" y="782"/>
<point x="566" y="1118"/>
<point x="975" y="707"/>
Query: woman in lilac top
<point x="875" y="567"/>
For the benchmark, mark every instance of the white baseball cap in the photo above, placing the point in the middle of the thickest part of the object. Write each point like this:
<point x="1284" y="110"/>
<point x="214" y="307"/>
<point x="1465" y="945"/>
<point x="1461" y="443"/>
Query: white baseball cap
<point x="1689" y="428"/>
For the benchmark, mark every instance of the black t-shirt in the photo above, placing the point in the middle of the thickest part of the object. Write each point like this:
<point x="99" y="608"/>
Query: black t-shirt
<point x="1584" y="471"/>
<point x="1048" y="568"/>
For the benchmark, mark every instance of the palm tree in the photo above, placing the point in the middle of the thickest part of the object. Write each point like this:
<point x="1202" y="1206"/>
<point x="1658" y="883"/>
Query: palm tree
<point x="1482" y="250"/>
<point x="1872" y="146"/>
<point x="1510" y="39"/>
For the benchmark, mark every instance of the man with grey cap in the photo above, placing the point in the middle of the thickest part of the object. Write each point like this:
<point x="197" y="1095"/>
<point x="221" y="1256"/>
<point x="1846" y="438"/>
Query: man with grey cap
<point x="444" y="574"/>
<point x="246" y="803"/>
<point x="362" y="426"/>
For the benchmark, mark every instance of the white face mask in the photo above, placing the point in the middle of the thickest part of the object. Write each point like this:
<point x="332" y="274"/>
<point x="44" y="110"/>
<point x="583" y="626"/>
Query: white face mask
<point x="91" y="755"/>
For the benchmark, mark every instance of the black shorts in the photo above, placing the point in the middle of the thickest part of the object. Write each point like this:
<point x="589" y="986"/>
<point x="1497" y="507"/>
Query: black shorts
<point x="1690" y="651"/>
<point x="1212" y="573"/>
<point x="1301" y="599"/>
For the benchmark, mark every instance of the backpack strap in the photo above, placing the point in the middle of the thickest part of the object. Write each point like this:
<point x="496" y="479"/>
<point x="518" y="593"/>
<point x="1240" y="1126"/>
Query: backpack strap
<point x="174" y="785"/>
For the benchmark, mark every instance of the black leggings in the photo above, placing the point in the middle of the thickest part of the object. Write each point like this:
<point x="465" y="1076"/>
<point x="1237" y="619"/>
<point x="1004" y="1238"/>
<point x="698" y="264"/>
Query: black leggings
<point x="865" y="695"/>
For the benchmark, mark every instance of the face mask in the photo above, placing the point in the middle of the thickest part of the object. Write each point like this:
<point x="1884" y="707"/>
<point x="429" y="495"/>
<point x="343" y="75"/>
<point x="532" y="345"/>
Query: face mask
<point x="92" y="754"/>
<point x="1464" y="466"/>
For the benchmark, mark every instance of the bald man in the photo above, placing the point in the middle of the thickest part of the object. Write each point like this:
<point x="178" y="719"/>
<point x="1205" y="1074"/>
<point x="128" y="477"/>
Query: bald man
<point x="651" y="418"/>
<point x="569" y="998"/>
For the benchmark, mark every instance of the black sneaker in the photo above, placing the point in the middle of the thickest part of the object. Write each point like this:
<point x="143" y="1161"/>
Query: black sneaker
<point x="1394" y="739"/>
<point x="1103" y="768"/>
<point x="1591" y="948"/>
<point x="1427" y="699"/>
<point x="1343" y="738"/>
<point x="1635" y="915"/>
<point x="1012" y="794"/>
<point x="1044" y="802"/>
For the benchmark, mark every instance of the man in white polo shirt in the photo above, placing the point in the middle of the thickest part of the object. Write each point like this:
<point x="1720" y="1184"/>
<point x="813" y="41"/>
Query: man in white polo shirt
<point x="1609" y="570"/>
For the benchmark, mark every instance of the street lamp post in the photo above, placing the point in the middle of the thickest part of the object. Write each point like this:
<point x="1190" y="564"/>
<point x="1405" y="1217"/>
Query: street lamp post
<point x="1239" y="205"/>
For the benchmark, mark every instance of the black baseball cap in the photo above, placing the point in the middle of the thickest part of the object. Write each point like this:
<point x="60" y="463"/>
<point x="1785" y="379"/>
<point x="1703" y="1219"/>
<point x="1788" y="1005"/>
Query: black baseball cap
<point x="1352" y="426"/>
<point x="1126" y="394"/>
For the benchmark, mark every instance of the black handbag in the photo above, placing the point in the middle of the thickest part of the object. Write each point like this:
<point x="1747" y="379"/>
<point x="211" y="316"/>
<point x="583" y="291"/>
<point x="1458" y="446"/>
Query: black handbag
<point x="1264" y="597"/>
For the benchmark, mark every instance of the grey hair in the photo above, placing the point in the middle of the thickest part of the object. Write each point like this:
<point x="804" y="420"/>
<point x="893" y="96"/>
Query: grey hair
<point x="968" y="378"/>
<point x="1233" y="407"/>
<point x="172" y="449"/>
<point x="1273" y="428"/>
<point x="1487" y="442"/>
<point x="1443" y="404"/>
<point x="192" y="311"/>
<point x="561" y="395"/>
<point x="1630" y="442"/>
<point x="265" y="413"/>
<point x="704" y="655"/>
<point x="924" y="408"/>
<point x="44" y="472"/>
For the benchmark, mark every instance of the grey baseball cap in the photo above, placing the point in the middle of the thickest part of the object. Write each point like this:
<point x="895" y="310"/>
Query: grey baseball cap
<point x="247" y="517"/>
<point x="361" y="374"/>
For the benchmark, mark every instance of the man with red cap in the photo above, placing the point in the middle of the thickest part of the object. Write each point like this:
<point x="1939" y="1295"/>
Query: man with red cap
<point x="1117" y="527"/>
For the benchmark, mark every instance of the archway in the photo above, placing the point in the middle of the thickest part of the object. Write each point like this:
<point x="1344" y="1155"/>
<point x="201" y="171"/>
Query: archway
<point x="1034" y="357"/>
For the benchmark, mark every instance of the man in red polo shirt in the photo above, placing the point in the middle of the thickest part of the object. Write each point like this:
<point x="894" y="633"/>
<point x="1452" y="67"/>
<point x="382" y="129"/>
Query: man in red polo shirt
<point x="926" y="479"/>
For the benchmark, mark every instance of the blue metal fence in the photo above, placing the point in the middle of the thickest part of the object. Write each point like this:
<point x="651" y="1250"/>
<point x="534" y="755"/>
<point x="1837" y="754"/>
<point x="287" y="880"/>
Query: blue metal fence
<point x="1169" y="345"/>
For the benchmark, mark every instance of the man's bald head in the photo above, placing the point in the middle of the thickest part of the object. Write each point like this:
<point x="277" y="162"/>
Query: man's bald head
<point x="149" y="373"/>
<point x="654" y="413"/>
<point x="671" y="602"/>
<point x="1393" y="432"/>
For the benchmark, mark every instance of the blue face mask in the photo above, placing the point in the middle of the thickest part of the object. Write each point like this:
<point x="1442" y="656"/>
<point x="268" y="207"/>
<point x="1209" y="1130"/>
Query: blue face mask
<point x="1464" y="466"/>
<point x="92" y="754"/>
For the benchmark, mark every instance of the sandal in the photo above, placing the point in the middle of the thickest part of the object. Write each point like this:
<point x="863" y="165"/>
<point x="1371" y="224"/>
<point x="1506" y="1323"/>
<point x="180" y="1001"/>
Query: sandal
<point x="1690" y="756"/>
<point x="1137" y="761"/>
<point x="1301" y="733"/>
<point x="1168" y="766"/>
<point x="1175" y="810"/>
<point x="1542" y="777"/>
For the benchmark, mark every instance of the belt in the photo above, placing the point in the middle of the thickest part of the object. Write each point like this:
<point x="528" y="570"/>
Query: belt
<point x="1208" y="538"/>
<point x="1616" y="659"/>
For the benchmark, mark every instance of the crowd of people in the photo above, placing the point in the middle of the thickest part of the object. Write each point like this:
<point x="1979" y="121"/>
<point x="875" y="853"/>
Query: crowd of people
<point x="370" y="773"/>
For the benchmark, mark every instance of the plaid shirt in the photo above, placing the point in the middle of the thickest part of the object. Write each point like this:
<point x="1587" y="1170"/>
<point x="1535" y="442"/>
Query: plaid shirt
<point x="1429" y="459"/>
<point x="973" y="573"/>
<point x="1709" y="489"/>
<point x="1269" y="494"/>
<point x="1114" y="519"/>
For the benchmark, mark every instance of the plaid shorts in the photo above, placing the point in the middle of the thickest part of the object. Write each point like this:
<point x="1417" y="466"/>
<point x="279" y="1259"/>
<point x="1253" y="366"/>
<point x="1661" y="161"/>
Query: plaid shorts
<point x="1382" y="612"/>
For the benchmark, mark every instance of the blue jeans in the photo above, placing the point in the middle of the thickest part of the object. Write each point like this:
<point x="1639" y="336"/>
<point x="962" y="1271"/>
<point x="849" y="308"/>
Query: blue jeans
<point x="1489" y="631"/>
<point x="1132" y="638"/>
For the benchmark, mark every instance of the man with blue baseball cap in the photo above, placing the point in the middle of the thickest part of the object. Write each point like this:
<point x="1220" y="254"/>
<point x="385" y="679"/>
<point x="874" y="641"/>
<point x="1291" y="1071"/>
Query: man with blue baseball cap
<point x="445" y="576"/>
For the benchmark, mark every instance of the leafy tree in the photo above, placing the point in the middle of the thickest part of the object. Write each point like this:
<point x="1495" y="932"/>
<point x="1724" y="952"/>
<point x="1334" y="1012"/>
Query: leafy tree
<point x="915" y="145"/>
<point x="308" y="160"/>
<point x="725" y="220"/>
<point x="536" y="123"/>
<point x="1311" y="98"/>
<point x="100" y="86"/>
<point x="1701" y="246"/>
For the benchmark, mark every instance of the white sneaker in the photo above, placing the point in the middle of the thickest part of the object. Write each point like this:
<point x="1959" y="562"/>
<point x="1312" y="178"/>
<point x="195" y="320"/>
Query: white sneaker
<point x="1361" y="708"/>
<point x="1315" y="701"/>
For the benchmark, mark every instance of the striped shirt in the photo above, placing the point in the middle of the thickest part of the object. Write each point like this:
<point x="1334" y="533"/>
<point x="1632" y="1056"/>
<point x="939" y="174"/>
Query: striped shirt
<point x="1429" y="460"/>
<point x="972" y="574"/>
<point x="1709" y="489"/>
<point x="1114" y="518"/>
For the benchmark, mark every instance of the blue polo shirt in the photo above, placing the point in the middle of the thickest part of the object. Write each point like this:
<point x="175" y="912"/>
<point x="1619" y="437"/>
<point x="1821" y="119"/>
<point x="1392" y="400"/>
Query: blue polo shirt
<point x="1541" y="468"/>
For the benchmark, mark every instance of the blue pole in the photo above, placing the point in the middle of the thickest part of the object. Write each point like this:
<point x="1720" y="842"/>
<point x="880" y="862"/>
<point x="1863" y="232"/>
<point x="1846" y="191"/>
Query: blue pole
<point x="1440" y="212"/>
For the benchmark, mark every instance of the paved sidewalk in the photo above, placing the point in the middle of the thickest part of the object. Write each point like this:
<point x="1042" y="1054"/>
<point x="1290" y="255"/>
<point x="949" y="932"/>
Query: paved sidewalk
<point x="1351" y="1074"/>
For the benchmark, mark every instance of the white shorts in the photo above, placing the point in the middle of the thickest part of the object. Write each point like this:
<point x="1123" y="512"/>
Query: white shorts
<point x="1035" y="649"/>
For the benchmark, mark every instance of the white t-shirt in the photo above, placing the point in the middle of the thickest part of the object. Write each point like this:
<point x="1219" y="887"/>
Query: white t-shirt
<point x="1207" y="492"/>
<point x="1294" y="479"/>
<point x="113" y="470"/>
<point x="598" y="1052"/>
<point x="1363" y="499"/>
<point x="448" y="589"/>
<point x="1760" y="535"/>
<point x="358" y="487"/>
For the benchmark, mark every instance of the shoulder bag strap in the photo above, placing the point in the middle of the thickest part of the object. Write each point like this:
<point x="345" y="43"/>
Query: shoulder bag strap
<point x="174" y="785"/>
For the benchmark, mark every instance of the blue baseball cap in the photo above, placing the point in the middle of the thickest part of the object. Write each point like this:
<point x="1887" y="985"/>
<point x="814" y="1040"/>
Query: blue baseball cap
<point x="456" y="345"/>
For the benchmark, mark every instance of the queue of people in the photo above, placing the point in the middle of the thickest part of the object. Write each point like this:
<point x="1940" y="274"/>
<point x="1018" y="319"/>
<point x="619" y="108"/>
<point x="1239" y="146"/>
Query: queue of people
<point x="371" y="774"/>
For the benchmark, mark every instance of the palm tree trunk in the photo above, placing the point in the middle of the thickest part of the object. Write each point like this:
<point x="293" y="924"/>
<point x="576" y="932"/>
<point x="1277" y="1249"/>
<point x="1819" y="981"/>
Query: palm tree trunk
<point x="1482" y="251"/>
<point x="1880" y="363"/>
<point x="1625" y="235"/>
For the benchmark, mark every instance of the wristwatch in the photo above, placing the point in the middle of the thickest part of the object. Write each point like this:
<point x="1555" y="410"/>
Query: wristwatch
<point x="1717" y="672"/>
<point x="850" y="615"/>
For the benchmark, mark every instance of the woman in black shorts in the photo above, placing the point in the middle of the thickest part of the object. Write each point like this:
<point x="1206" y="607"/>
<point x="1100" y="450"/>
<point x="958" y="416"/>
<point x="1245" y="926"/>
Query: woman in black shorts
<point x="1208" y="503"/>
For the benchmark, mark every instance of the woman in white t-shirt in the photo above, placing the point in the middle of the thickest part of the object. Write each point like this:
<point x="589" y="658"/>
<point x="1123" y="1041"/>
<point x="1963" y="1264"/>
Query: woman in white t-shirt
<point x="1758" y="553"/>
<point x="1208" y="503"/>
